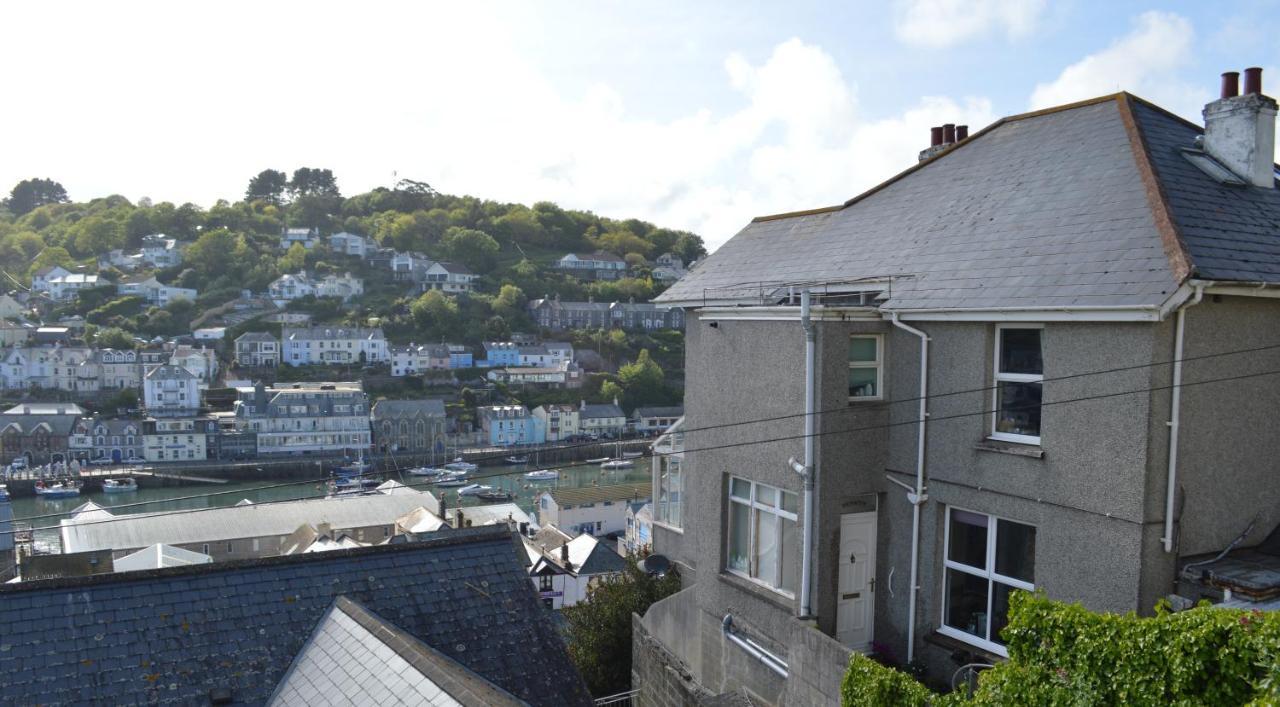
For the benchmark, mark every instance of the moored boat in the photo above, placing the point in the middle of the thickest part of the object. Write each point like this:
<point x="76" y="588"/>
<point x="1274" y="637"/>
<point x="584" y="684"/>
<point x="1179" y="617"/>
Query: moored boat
<point x="63" y="488"/>
<point x="429" y="471"/>
<point x="495" y="496"/>
<point x="515" y="459"/>
<point x="542" y="475"/>
<point x="119" y="485"/>
<point x="632" y="455"/>
<point x="618" y="464"/>
<point x="452" y="479"/>
<point x="598" y="460"/>
<point x="345" y="485"/>
<point x="459" y="465"/>
<point x="474" y="490"/>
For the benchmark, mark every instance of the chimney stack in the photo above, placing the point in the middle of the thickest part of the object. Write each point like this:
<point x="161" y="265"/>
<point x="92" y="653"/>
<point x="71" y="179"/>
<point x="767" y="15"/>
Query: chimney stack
<point x="948" y="133"/>
<point x="935" y="136"/>
<point x="962" y="132"/>
<point x="1240" y="130"/>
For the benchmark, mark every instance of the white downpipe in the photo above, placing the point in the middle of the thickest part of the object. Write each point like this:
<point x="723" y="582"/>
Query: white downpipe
<point x="918" y="497"/>
<point x="810" y="411"/>
<point x="1175" y="417"/>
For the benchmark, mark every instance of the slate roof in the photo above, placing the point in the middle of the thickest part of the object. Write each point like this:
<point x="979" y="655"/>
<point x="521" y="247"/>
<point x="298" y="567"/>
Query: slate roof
<point x="1064" y="207"/>
<point x="255" y="336"/>
<point x="599" y="494"/>
<point x="673" y="411"/>
<point x="354" y="657"/>
<point x="173" y="635"/>
<point x="431" y="407"/>
<point x="331" y="332"/>
<point x="594" y="411"/>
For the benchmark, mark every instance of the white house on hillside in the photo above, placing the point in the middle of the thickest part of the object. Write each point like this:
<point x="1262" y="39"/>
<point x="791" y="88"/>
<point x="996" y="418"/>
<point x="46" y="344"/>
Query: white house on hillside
<point x="171" y="390"/>
<point x="152" y="290"/>
<point x="306" y="236"/>
<point x="333" y="345"/>
<point x="352" y="244"/>
<point x="161" y="251"/>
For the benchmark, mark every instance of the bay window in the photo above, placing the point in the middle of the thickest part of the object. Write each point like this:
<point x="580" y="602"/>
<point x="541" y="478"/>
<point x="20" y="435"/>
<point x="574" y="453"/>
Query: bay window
<point x="763" y="544"/>
<point x="986" y="559"/>
<point x="866" y="367"/>
<point x="1019" y="376"/>
<point x="668" y="477"/>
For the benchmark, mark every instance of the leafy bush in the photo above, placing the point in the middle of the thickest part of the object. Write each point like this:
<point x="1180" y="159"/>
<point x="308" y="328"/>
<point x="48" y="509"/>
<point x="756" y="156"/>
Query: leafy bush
<point x="1065" y="654"/>
<point x="870" y="684"/>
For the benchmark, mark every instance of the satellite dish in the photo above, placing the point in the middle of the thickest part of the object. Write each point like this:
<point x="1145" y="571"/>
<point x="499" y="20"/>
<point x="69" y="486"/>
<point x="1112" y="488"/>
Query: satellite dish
<point x="656" y="565"/>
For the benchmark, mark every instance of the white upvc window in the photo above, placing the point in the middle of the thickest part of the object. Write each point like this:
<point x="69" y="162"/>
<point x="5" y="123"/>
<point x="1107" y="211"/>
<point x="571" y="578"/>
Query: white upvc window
<point x="668" y="483"/>
<point x="986" y="559"/>
<point x="866" y="367"/>
<point x="1018" y="389"/>
<point x="762" y="540"/>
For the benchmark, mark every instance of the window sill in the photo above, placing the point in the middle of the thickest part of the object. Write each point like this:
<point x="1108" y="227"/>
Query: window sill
<point x="1017" y="449"/>
<point x="664" y="526"/>
<point x="758" y="590"/>
<point x="954" y="645"/>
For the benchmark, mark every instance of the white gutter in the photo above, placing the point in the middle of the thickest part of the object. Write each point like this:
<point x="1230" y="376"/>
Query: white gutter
<point x="806" y="470"/>
<point x="1175" y="416"/>
<point x="918" y="497"/>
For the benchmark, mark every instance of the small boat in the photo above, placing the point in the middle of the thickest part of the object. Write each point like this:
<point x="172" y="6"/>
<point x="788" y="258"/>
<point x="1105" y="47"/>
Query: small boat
<point x="355" y="468"/>
<point x="517" y="460"/>
<point x="600" y="460"/>
<point x="474" y="490"/>
<point x="344" y="485"/>
<point x="65" y="488"/>
<point x="618" y="464"/>
<point x="632" y="455"/>
<point x="452" y="479"/>
<point x="495" y="496"/>
<point x="459" y="465"/>
<point x="542" y="475"/>
<point x="119" y="485"/>
<point x="4" y="493"/>
<point x="430" y="471"/>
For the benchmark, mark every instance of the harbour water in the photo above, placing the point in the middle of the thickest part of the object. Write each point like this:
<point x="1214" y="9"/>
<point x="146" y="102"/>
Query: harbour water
<point x="44" y="514"/>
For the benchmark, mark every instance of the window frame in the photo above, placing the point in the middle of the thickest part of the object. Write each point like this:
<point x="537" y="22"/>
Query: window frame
<point x="988" y="573"/>
<point x="878" y="365"/>
<point x="664" y="506"/>
<point x="755" y="507"/>
<point x="997" y="377"/>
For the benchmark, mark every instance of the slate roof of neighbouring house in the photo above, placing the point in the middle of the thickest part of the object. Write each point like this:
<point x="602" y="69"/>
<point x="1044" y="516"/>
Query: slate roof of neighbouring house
<point x="673" y="411"/>
<point x="177" y="634"/>
<point x="255" y="336"/>
<point x="355" y="656"/>
<point x="594" y="411"/>
<point x="1089" y="204"/>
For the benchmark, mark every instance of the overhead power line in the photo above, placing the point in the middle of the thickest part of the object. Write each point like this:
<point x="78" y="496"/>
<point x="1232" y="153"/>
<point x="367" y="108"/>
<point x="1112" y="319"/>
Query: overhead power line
<point x="730" y="445"/>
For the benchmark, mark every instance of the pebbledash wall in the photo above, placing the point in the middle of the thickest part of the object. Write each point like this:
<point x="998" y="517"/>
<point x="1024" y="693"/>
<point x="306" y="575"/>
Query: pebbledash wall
<point x="1094" y="491"/>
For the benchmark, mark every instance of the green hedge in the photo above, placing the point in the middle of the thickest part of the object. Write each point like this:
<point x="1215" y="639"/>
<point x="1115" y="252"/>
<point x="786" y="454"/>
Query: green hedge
<point x="1065" y="654"/>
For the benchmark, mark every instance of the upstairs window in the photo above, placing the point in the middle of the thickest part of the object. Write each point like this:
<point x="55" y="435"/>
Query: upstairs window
<point x="1019" y="376"/>
<point x="866" y="369"/>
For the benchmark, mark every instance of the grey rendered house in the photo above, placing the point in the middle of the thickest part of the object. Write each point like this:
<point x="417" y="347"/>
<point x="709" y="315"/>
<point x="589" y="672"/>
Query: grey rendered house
<point x="1024" y="290"/>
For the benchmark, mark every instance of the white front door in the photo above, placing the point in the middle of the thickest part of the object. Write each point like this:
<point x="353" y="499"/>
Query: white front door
<point x="855" y="603"/>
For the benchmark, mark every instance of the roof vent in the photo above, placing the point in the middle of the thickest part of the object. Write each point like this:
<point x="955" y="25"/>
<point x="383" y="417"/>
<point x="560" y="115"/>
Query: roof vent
<point x="1240" y="131"/>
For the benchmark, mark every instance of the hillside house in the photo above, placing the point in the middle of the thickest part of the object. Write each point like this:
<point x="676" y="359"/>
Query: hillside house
<point x="308" y="237"/>
<point x="328" y="345"/>
<point x="595" y="510"/>
<point x="257" y="349"/>
<point x="593" y="266"/>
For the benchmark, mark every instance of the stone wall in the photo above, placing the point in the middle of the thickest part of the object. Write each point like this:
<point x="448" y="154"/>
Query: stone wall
<point x="660" y="677"/>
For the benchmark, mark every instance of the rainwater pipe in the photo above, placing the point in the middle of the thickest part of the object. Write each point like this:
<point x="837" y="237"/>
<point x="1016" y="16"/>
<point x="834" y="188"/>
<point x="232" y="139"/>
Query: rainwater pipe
<point x="916" y="496"/>
<point x="806" y="470"/>
<point x="1175" y="417"/>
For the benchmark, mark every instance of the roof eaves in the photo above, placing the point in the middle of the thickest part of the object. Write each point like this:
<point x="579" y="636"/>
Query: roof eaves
<point x="1175" y="248"/>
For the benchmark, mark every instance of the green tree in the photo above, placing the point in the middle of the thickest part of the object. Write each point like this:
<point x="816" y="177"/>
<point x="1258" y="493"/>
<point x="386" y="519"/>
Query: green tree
<point x="268" y="186"/>
<point x="510" y="302"/>
<point x="30" y="194"/>
<point x="113" y="338"/>
<point x="434" y="311"/>
<point x="309" y="181"/>
<point x="644" y="372"/>
<point x="212" y="254"/>
<point x="95" y="235"/>
<point x="475" y="249"/>
<point x="610" y="390"/>
<point x="53" y="255"/>
<point x="294" y="259"/>
<point x="599" y="629"/>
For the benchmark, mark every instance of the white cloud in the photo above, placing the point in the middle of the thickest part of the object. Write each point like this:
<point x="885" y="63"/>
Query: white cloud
<point x="943" y="23"/>
<point x="1143" y="62"/>
<point x="448" y="100"/>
